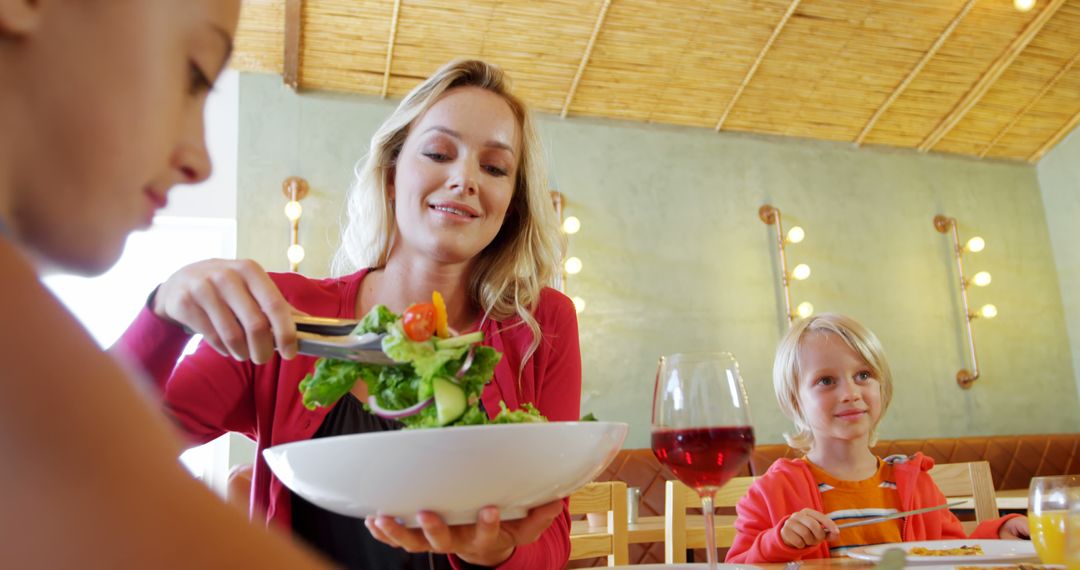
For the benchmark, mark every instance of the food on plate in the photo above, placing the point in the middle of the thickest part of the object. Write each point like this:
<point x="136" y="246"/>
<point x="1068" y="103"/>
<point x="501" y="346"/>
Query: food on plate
<point x="962" y="550"/>
<point x="437" y="378"/>
<point x="1007" y="567"/>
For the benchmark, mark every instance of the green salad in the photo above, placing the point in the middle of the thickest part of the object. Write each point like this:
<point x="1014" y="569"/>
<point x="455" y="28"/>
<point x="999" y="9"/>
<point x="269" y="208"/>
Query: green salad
<point x="436" y="382"/>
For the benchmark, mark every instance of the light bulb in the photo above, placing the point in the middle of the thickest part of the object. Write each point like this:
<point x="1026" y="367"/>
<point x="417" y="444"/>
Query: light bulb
<point x="801" y="271"/>
<point x="988" y="311"/>
<point x="295" y="253"/>
<point x="981" y="279"/>
<point x="579" y="304"/>
<point x="1024" y="5"/>
<point x="805" y="309"/>
<point x="571" y="225"/>
<point x="293" y="210"/>
<point x="795" y="235"/>
<point x="975" y="244"/>
<point x="572" y="265"/>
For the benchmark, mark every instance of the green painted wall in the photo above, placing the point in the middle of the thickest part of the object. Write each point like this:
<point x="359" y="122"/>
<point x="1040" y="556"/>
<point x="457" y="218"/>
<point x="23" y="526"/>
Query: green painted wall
<point x="675" y="258"/>
<point x="1059" y="178"/>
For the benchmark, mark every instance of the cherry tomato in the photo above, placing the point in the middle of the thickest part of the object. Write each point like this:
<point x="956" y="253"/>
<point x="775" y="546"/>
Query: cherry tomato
<point x="419" y="321"/>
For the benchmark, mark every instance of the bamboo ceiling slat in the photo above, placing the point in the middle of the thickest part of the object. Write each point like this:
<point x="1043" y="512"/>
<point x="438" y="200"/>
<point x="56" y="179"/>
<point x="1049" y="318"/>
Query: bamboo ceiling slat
<point x="390" y="48"/>
<point x="1043" y="121"/>
<point x="971" y="49"/>
<point x="345" y="44"/>
<point x="986" y="81"/>
<point x="1050" y="52"/>
<point x="757" y="62"/>
<point x="628" y="70"/>
<point x="1034" y="100"/>
<point x="260" y="37"/>
<point x="816" y="60"/>
<point x="585" y="57"/>
<point x="837" y="70"/>
<point x="930" y="53"/>
<point x="1055" y="138"/>
<point x="702" y="80"/>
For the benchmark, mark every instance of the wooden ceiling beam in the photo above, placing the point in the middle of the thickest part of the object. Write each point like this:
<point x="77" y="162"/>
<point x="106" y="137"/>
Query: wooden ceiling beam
<point x="294" y="11"/>
<point x="1055" y="138"/>
<point x="930" y="53"/>
<point x="390" y="49"/>
<point x="757" y="62"/>
<point x="585" y="57"/>
<point x="976" y="93"/>
<point x="1046" y="88"/>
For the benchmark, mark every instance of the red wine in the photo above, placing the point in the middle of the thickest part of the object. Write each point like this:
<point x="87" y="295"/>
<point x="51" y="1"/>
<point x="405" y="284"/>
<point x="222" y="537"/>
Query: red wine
<point x="704" y="457"/>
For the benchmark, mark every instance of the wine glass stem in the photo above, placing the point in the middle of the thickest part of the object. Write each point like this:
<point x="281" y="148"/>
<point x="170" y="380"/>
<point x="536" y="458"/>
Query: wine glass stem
<point x="710" y="528"/>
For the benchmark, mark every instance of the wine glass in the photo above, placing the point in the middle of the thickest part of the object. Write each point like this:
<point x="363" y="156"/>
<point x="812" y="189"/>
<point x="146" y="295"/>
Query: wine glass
<point x="1048" y="505"/>
<point x="701" y="425"/>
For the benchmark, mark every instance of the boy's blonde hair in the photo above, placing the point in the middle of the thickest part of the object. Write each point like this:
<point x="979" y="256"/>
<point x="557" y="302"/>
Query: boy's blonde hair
<point x="787" y="366"/>
<point x="510" y="272"/>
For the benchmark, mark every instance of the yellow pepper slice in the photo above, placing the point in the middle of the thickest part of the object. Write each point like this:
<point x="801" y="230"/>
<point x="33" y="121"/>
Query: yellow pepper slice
<point x="442" y="327"/>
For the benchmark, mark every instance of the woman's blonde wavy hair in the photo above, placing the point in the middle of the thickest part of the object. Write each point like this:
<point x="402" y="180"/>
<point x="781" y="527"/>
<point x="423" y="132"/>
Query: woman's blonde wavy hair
<point x="522" y="259"/>
<point x="787" y="366"/>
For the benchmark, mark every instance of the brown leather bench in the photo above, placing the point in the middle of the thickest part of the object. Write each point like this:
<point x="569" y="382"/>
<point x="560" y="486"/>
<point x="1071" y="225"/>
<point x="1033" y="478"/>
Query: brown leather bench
<point x="1014" y="460"/>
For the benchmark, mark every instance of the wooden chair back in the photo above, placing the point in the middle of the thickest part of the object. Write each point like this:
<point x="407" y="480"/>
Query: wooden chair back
<point x="971" y="479"/>
<point x="679" y="535"/>
<point x="609" y="497"/>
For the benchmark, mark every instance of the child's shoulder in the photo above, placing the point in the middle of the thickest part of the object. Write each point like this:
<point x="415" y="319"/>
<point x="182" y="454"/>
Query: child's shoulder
<point x="784" y="469"/>
<point x="914" y="461"/>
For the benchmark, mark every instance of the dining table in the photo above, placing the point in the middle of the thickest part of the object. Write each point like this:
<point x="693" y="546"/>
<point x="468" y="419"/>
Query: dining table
<point x="651" y="528"/>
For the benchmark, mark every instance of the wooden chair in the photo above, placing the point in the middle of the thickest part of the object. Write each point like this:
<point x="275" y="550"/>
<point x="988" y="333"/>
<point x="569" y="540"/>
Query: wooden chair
<point x="680" y="536"/>
<point x="968" y="480"/>
<point x="609" y="497"/>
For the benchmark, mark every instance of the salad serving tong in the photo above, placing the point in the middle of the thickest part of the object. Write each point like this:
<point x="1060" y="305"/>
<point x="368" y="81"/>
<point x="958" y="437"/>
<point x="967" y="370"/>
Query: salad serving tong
<point x="333" y="338"/>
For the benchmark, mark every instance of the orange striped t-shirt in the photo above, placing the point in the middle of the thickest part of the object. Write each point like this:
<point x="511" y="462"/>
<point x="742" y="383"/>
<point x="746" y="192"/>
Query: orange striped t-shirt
<point x="849" y="501"/>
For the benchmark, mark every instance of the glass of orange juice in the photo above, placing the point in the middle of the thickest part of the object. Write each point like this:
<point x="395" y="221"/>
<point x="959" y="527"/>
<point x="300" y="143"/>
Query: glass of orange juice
<point x="1072" y="531"/>
<point x="1048" y="507"/>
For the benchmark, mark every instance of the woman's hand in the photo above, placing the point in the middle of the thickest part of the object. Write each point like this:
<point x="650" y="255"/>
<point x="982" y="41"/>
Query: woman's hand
<point x="489" y="542"/>
<point x="234" y="305"/>
<point x="1015" y="528"/>
<point x="807" y="528"/>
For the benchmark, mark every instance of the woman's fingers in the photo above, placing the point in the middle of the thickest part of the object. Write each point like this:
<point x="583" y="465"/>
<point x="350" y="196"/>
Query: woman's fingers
<point x="258" y="337"/>
<point x="234" y="305"/>
<point x="397" y="535"/>
<point x="487" y="528"/>
<point x="274" y="309"/>
<point x="436" y="533"/>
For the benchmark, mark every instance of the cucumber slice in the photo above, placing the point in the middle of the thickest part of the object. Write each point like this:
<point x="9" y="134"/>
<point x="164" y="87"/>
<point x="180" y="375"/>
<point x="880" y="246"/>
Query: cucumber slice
<point x="456" y="341"/>
<point x="450" y="401"/>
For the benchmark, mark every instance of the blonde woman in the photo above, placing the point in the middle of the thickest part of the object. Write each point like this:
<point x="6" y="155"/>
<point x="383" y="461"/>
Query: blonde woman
<point x="101" y="107"/>
<point x="831" y="378"/>
<point x="452" y="197"/>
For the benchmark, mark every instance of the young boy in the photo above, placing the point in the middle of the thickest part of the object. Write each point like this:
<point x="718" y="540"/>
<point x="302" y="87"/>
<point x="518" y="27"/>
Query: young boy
<point x="832" y="380"/>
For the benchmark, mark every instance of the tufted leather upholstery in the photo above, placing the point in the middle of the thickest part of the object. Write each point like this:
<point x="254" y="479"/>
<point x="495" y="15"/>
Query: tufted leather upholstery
<point x="1014" y="460"/>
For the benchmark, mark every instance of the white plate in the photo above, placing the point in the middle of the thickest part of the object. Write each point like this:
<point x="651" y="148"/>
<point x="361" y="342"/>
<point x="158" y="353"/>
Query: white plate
<point x="993" y="551"/>
<point x="990" y="567"/>
<point x="453" y="472"/>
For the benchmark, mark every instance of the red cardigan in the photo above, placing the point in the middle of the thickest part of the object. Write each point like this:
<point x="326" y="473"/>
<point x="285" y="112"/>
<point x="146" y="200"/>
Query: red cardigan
<point x="209" y="395"/>
<point x="788" y="487"/>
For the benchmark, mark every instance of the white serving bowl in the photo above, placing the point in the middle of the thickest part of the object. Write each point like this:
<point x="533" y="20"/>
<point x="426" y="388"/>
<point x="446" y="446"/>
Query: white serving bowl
<point x="453" y="472"/>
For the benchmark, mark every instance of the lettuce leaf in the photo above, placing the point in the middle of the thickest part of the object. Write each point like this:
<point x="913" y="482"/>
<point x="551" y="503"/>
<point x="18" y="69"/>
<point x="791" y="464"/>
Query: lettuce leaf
<point x="402" y="385"/>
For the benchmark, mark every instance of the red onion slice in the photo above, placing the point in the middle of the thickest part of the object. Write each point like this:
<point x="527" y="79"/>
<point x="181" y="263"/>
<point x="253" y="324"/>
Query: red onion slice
<point x="397" y="414"/>
<point x="467" y="364"/>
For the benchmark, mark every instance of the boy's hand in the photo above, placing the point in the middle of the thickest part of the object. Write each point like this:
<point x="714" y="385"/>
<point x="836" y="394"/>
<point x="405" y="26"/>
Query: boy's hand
<point x="1015" y="528"/>
<point x="808" y="528"/>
